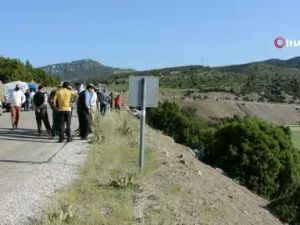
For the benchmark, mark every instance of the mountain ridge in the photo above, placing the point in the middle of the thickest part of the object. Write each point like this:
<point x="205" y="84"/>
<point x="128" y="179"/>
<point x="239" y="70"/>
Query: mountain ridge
<point x="81" y="69"/>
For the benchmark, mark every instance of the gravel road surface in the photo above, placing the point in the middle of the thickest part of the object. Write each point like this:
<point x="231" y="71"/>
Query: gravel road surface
<point x="33" y="167"/>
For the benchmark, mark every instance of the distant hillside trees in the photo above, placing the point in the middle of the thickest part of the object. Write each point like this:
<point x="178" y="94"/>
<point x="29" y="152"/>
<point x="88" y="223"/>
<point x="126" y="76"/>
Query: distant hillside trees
<point x="14" y="69"/>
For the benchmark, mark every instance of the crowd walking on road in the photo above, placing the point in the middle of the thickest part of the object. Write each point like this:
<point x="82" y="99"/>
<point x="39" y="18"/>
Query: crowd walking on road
<point x="88" y="100"/>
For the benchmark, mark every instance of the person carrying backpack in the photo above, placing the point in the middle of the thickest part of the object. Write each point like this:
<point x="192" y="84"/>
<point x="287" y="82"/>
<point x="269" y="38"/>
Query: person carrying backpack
<point x="40" y="100"/>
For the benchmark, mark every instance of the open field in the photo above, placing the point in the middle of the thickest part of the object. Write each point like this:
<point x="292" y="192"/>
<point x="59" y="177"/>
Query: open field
<point x="296" y="136"/>
<point x="215" y="106"/>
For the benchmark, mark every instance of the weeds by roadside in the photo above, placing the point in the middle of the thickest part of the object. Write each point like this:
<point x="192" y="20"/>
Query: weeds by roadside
<point x="109" y="181"/>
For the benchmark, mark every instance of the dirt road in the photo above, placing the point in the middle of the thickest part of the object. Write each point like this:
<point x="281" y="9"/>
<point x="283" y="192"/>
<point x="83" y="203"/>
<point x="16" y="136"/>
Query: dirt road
<point x="32" y="168"/>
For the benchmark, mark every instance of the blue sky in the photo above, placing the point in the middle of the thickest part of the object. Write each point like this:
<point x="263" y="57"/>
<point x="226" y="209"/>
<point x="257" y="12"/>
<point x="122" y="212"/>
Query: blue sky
<point x="148" y="34"/>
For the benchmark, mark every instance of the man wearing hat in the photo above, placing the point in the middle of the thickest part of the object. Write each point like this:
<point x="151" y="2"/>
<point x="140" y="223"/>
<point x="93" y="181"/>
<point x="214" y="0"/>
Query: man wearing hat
<point x="63" y="102"/>
<point x="16" y="99"/>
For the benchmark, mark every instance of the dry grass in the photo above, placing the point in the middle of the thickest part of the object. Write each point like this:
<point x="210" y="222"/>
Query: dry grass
<point x="93" y="199"/>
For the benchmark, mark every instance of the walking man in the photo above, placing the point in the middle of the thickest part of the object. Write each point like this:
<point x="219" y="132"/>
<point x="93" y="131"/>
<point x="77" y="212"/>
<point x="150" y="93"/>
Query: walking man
<point x="16" y="99"/>
<point x="103" y="99"/>
<point x="27" y="102"/>
<point x="63" y="101"/>
<point x="40" y="100"/>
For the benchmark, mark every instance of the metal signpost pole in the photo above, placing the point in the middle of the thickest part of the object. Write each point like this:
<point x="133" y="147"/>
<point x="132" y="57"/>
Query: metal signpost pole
<point x="143" y="121"/>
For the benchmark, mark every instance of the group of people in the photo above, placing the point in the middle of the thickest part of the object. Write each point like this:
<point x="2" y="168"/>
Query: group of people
<point x="62" y="101"/>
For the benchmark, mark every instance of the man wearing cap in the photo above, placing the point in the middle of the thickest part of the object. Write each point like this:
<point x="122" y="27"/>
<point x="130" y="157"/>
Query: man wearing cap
<point x="63" y="101"/>
<point x="16" y="99"/>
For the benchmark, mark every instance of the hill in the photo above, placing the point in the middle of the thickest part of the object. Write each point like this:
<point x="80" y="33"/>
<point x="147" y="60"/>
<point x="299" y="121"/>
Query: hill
<point x="175" y="188"/>
<point x="266" y="81"/>
<point x="290" y="63"/>
<point x="82" y="70"/>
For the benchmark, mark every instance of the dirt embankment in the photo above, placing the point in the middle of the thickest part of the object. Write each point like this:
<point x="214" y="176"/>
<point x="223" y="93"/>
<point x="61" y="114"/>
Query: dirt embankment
<point x="280" y="114"/>
<point x="198" y="193"/>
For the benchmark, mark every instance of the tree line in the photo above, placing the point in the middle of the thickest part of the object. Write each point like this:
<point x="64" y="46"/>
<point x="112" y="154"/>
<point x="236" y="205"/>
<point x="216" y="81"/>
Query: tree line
<point x="14" y="69"/>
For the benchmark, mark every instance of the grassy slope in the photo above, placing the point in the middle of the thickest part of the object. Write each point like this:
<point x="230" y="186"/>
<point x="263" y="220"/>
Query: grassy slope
<point x="174" y="189"/>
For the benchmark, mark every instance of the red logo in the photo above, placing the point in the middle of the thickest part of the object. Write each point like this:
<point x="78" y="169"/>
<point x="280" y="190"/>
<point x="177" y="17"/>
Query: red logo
<point x="279" y="42"/>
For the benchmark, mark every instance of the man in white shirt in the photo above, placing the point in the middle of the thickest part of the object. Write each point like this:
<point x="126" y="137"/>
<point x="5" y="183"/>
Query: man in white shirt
<point x="31" y="95"/>
<point x="91" y="101"/>
<point x="16" y="99"/>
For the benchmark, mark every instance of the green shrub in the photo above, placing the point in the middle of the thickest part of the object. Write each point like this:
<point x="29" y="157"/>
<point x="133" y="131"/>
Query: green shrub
<point x="287" y="207"/>
<point x="64" y="215"/>
<point x="180" y="123"/>
<point x="258" y="154"/>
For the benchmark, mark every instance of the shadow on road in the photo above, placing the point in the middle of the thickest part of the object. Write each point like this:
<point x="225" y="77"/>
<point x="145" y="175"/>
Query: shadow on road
<point x="22" y="134"/>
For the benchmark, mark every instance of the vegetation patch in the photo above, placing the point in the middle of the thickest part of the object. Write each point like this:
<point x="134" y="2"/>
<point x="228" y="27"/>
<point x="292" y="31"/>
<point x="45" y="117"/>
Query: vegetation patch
<point x="14" y="69"/>
<point x="287" y="207"/>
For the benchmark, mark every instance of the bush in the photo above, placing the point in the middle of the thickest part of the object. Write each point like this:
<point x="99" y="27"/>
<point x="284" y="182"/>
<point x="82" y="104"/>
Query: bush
<point x="258" y="154"/>
<point x="287" y="207"/>
<point x="180" y="123"/>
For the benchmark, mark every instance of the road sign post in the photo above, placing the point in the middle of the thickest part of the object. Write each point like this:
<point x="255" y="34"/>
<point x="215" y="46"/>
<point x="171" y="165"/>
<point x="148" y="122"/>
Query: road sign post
<point x="143" y="93"/>
<point x="143" y="121"/>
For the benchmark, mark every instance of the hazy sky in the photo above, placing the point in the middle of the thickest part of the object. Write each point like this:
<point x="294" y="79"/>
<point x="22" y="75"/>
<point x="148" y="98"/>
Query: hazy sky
<point x="144" y="34"/>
